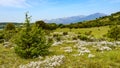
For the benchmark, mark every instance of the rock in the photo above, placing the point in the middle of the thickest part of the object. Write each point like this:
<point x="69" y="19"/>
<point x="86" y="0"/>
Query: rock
<point x="91" y="56"/>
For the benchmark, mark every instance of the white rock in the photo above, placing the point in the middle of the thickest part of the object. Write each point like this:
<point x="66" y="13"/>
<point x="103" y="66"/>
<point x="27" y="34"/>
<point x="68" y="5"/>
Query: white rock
<point x="91" y="56"/>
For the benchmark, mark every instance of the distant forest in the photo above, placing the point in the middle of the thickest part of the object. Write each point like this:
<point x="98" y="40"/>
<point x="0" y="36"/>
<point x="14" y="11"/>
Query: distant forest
<point x="2" y="24"/>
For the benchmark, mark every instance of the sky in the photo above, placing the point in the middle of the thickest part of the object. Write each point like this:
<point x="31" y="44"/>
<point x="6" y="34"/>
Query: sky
<point x="14" y="10"/>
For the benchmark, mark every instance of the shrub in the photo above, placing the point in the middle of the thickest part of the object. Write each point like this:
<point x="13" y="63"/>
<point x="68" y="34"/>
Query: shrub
<point x="83" y="37"/>
<point x="88" y="33"/>
<point x="58" y="38"/>
<point x="114" y="33"/>
<point x="1" y="36"/>
<point x="9" y="31"/>
<point x="55" y="35"/>
<point x="10" y="26"/>
<point x="74" y="38"/>
<point x="9" y="34"/>
<point x="65" y="33"/>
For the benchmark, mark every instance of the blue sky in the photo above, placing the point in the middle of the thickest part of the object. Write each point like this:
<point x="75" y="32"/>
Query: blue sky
<point x="14" y="10"/>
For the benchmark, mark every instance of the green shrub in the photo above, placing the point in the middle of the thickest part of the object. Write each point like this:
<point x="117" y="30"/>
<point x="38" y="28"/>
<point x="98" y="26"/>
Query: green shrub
<point x="65" y="33"/>
<point x="88" y="33"/>
<point x="74" y="38"/>
<point x="1" y="36"/>
<point x="9" y="31"/>
<point x="9" y="34"/>
<point x="58" y="38"/>
<point x="114" y="33"/>
<point x="83" y="37"/>
<point x="55" y="35"/>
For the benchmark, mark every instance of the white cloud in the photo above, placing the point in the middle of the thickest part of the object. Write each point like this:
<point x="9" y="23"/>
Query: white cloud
<point x="14" y="3"/>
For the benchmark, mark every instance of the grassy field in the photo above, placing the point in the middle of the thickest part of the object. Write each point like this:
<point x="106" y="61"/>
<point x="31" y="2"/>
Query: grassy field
<point x="101" y="59"/>
<point x="8" y="58"/>
<point x="107" y="59"/>
<point x="98" y="32"/>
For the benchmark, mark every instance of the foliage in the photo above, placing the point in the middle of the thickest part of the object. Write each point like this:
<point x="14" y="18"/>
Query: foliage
<point x="51" y="26"/>
<point x="9" y="34"/>
<point x="40" y="24"/>
<point x="88" y="33"/>
<point x="31" y="42"/>
<point x="83" y="37"/>
<point x="1" y="35"/>
<point x="114" y="33"/>
<point x="9" y="31"/>
<point x="46" y="26"/>
<point x="3" y="24"/>
<point x="10" y="26"/>
<point x="65" y="33"/>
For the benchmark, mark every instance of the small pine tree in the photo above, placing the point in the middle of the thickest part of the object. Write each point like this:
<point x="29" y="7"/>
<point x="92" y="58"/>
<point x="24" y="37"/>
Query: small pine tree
<point x="31" y="41"/>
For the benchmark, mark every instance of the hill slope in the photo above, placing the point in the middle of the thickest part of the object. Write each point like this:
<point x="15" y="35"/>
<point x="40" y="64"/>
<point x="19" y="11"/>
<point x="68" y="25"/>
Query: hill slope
<point x="102" y="21"/>
<point x="106" y="20"/>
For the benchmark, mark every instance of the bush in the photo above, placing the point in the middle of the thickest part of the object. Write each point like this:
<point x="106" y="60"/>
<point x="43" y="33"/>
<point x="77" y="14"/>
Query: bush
<point x="1" y="36"/>
<point x="10" y="26"/>
<point x="74" y="38"/>
<point x="114" y="33"/>
<point x="58" y="38"/>
<point x="9" y="31"/>
<point x="65" y="33"/>
<point x="83" y="37"/>
<point x="9" y="34"/>
<point x="55" y="35"/>
<point x="88" y="33"/>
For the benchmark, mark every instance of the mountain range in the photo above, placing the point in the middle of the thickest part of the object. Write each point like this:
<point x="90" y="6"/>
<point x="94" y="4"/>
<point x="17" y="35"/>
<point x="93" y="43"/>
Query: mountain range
<point x="73" y="19"/>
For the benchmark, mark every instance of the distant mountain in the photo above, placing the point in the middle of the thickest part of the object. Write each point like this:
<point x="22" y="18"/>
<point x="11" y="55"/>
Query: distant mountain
<point x="74" y="19"/>
<point x="112" y="19"/>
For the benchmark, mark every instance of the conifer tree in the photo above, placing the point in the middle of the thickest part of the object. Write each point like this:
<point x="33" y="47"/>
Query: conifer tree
<point x="31" y="41"/>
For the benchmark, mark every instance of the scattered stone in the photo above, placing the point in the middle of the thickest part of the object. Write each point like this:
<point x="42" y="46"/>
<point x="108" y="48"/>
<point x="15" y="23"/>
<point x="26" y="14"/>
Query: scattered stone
<point x="91" y="56"/>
